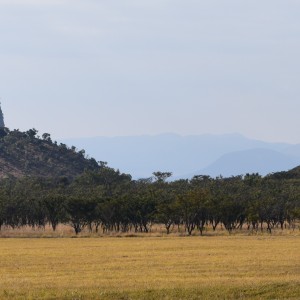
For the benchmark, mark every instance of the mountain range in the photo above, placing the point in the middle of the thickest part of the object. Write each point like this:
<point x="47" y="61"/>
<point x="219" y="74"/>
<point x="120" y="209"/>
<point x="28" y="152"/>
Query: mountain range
<point x="186" y="156"/>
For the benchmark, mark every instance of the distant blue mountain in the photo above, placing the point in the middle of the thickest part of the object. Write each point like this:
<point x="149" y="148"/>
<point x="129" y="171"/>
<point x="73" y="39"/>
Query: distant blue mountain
<point x="262" y="161"/>
<point x="293" y="150"/>
<point x="142" y="155"/>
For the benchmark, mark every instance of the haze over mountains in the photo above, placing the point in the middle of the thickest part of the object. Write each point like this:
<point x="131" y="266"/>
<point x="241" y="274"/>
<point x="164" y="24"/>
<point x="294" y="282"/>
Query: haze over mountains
<point x="185" y="156"/>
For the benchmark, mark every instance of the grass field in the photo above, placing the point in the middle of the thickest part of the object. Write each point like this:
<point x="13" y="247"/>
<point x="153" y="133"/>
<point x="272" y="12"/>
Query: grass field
<point x="219" y="267"/>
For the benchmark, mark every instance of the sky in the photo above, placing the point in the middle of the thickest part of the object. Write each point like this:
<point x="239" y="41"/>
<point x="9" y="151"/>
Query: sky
<point x="83" y="68"/>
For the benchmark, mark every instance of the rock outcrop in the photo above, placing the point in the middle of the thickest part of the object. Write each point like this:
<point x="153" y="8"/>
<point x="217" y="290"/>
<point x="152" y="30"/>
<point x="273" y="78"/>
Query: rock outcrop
<point x="2" y="125"/>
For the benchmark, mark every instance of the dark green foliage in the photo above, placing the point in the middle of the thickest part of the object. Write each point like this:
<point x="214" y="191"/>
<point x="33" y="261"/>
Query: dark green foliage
<point x="112" y="201"/>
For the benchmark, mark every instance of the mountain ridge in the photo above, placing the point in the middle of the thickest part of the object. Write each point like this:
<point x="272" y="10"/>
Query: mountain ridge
<point x="257" y="160"/>
<point x="142" y="155"/>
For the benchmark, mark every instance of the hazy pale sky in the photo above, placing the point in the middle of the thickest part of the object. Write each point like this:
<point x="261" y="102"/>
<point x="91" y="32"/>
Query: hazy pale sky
<point x="77" y="68"/>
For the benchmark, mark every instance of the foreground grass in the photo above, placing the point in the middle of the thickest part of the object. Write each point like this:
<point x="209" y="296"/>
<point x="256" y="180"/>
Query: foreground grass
<point x="237" y="267"/>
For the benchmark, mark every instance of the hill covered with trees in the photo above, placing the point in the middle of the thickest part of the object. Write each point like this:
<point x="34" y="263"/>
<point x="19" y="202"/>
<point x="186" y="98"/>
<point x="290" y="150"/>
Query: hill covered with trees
<point x="27" y="154"/>
<point x="45" y="183"/>
<point x="291" y="174"/>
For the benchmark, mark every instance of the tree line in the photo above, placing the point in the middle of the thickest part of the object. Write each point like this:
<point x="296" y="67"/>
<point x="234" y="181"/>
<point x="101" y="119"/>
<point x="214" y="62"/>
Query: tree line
<point x="108" y="200"/>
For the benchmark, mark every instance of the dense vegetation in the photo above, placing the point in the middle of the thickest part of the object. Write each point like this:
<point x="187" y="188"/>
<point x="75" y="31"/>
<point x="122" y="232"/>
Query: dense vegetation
<point x="103" y="198"/>
<point x="112" y="201"/>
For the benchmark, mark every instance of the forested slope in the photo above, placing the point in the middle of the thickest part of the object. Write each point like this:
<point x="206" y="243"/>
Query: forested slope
<point x="291" y="174"/>
<point x="26" y="154"/>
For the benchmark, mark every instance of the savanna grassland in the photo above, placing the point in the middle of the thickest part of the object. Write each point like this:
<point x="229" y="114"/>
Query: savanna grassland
<point x="74" y="228"/>
<point x="209" y="267"/>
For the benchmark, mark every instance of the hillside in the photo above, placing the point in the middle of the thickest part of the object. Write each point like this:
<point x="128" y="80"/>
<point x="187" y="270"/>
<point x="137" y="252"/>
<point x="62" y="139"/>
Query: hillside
<point x="26" y="154"/>
<point x="291" y="174"/>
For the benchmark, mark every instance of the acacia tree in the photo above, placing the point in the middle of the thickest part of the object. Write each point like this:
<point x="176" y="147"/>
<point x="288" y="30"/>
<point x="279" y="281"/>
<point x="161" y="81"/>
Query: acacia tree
<point x="166" y="210"/>
<point x="2" y="210"/>
<point x="193" y="209"/>
<point x="55" y="207"/>
<point x="78" y="210"/>
<point x="161" y="176"/>
<point x="231" y="202"/>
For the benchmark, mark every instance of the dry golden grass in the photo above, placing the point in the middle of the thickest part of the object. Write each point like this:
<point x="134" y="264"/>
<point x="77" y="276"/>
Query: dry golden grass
<point x="219" y="267"/>
<point x="157" y="230"/>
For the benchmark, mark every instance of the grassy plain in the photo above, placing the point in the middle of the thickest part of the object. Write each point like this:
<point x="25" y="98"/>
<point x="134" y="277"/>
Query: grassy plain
<point x="219" y="267"/>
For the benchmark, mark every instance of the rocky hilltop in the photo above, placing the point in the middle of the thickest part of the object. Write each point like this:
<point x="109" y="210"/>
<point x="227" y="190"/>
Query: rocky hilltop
<point x="2" y="125"/>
